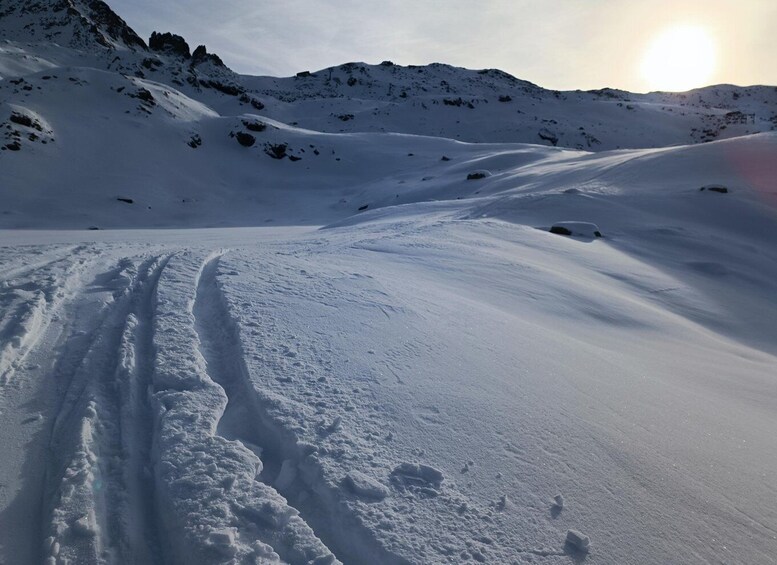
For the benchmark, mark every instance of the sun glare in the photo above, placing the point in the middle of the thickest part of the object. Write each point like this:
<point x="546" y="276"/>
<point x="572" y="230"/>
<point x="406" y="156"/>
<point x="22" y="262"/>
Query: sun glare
<point x="680" y="58"/>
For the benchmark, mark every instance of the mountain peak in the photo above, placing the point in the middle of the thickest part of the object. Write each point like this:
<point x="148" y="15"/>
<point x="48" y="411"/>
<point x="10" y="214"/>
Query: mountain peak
<point x="80" y="24"/>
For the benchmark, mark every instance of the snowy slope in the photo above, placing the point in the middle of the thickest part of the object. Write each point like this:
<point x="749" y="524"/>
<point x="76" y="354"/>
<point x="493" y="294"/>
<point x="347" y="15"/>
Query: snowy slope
<point x="378" y="352"/>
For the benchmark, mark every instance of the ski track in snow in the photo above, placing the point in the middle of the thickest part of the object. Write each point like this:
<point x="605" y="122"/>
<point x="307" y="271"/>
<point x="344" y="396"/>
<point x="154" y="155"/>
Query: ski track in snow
<point x="190" y="423"/>
<point x="101" y="505"/>
<point x="288" y="466"/>
<point x="30" y="297"/>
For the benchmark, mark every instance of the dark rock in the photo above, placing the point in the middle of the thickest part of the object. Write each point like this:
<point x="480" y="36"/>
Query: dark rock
<point x="276" y="151"/>
<point x="458" y="102"/>
<point x="505" y="98"/>
<point x="304" y="74"/>
<point x="345" y="117"/>
<point x="145" y="96"/>
<point x="254" y="125"/>
<point x="714" y="188"/>
<point x="561" y="230"/>
<point x="362" y="208"/>
<point x="387" y="64"/>
<point x="444" y="158"/>
<point x="93" y="228"/>
<point x="229" y="89"/>
<point x="294" y="158"/>
<point x="125" y="200"/>
<point x="547" y="135"/>
<point x="245" y="139"/>
<point x="245" y="99"/>
<point x="26" y="121"/>
<point x="352" y="81"/>
<point x="151" y="64"/>
<point x="14" y="146"/>
<point x="201" y="55"/>
<point x="476" y="176"/>
<point x="195" y="141"/>
<point x="169" y="43"/>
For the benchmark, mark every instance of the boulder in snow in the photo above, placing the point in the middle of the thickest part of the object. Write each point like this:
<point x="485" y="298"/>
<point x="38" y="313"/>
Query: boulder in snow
<point x="714" y="188"/>
<point x="245" y="139"/>
<point x="477" y="175"/>
<point x="579" y="229"/>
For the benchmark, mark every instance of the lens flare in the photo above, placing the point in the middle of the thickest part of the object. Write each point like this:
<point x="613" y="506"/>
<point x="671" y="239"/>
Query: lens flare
<point x="680" y="58"/>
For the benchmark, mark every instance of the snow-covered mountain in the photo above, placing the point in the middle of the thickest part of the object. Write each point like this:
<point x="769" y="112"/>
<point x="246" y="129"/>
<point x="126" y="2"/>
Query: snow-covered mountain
<point x="464" y="318"/>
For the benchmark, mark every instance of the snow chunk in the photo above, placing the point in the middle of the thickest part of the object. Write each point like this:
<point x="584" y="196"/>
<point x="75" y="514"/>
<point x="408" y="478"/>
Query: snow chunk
<point x="415" y="476"/>
<point x="578" y="541"/>
<point x="364" y="486"/>
<point x="223" y="541"/>
<point x="580" y="229"/>
<point x="558" y="501"/>
<point x="287" y="475"/>
<point x="84" y="526"/>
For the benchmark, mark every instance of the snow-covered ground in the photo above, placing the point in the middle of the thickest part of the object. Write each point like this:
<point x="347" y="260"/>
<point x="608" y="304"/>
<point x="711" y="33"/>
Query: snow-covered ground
<point x="413" y="385"/>
<point x="311" y="325"/>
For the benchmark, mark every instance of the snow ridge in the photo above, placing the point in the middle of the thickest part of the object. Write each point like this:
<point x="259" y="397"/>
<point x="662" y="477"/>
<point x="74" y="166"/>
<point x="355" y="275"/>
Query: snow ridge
<point x="289" y="466"/>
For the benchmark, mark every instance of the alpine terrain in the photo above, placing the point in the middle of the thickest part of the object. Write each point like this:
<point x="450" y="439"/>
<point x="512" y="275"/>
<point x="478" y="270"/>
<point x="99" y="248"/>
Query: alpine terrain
<point x="376" y="313"/>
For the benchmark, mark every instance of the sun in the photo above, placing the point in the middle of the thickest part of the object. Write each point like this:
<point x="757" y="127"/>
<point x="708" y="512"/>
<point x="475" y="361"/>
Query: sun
<point x="679" y="58"/>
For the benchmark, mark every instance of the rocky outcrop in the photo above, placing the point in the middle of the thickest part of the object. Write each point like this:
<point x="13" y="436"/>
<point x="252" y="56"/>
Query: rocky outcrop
<point x="170" y="44"/>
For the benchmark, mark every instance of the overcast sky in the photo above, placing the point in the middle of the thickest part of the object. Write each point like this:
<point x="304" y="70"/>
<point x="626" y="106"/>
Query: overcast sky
<point x="559" y="44"/>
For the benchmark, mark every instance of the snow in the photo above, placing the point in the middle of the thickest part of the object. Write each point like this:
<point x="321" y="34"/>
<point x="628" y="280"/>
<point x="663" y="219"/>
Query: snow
<point x="578" y="541"/>
<point x="361" y="356"/>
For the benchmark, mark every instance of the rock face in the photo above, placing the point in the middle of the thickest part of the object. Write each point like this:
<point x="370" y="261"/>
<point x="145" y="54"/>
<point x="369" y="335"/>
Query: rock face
<point x="169" y="43"/>
<point x="201" y="55"/>
<point x="80" y="24"/>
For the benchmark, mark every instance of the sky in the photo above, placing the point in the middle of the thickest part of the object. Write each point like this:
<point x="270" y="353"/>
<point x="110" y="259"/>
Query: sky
<point x="559" y="44"/>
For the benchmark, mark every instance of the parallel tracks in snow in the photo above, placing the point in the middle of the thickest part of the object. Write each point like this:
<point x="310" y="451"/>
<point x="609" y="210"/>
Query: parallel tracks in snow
<point x="99" y="496"/>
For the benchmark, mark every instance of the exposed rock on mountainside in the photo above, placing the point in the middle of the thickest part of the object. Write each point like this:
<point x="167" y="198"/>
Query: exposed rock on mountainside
<point x="169" y="43"/>
<point x="80" y="24"/>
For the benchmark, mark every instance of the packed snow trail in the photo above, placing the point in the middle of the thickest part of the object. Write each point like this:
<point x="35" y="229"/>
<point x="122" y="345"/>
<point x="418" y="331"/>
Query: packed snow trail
<point x="100" y="503"/>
